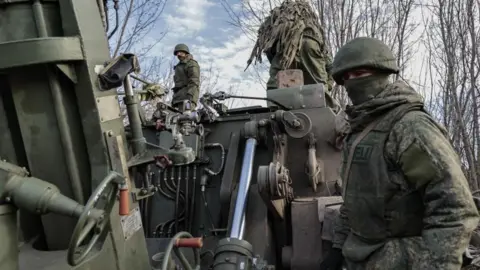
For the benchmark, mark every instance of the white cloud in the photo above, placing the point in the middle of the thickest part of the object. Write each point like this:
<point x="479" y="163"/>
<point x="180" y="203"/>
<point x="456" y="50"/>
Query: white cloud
<point x="230" y="60"/>
<point x="228" y="56"/>
<point x="189" y="16"/>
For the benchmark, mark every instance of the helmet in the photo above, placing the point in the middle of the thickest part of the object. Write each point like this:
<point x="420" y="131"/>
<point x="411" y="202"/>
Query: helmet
<point x="181" y="48"/>
<point x="363" y="52"/>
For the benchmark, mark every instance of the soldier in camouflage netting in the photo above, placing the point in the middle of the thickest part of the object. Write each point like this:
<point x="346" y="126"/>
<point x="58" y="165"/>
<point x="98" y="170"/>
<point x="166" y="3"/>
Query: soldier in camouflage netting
<point x="407" y="203"/>
<point x="186" y="78"/>
<point x="292" y="38"/>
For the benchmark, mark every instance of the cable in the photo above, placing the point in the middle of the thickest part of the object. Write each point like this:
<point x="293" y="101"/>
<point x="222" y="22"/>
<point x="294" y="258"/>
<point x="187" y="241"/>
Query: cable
<point x="181" y="257"/>
<point x="158" y="185"/>
<point x="222" y="163"/>
<point x="208" y="212"/>
<point x="177" y="199"/>
<point x="186" y="202"/>
<point x="165" y="194"/>
<point x="192" y="202"/>
<point x="147" y="204"/>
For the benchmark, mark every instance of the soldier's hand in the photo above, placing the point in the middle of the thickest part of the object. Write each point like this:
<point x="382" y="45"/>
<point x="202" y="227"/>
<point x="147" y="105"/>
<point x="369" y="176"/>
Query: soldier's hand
<point x="333" y="261"/>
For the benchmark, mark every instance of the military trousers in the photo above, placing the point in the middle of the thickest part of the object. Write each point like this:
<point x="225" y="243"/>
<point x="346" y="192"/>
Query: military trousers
<point x="182" y="95"/>
<point x="397" y="254"/>
<point x="311" y="60"/>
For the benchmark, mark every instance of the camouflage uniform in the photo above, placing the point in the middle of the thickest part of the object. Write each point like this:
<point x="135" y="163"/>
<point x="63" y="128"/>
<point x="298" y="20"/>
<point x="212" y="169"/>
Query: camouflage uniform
<point x="407" y="203"/>
<point x="186" y="78"/>
<point x="292" y="39"/>
<point x="310" y="58"/>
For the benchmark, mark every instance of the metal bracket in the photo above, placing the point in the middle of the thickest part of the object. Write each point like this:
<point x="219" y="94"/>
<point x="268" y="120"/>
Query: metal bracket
<point x="116" y="154"/>
<point x="142" y="193"/>
<point x="250" y="129"/>
<point x="108" y="108"/>
<point x="69" y="71"/>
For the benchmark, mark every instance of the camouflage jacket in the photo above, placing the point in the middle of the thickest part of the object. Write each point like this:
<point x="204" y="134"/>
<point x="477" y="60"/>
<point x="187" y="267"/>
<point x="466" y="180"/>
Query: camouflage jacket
<point x="187" y="81"/>
<point x="407" y="203"/>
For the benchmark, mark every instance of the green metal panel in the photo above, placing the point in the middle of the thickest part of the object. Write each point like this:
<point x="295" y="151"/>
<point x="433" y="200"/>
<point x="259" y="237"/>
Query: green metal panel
<point x="48" y="54"/>
<point x="41" y="137"/>
<point x="41" y="51"/>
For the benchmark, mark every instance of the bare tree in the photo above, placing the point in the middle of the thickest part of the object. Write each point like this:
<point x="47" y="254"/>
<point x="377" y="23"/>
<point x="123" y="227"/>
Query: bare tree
<point x="453" y="39"/>
<point x="130" y="26"/>
<point x="343" y="20"/>
<point x="445" y="71"/>
<point x="137" y="19"/>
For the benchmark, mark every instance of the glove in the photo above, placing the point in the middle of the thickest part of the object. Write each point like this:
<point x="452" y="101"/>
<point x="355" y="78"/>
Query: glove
<point x="150" y="92"/>
<point x="333" y="261"/>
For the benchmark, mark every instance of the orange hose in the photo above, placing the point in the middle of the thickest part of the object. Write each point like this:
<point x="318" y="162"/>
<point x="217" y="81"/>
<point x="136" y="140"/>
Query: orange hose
<point x="124" y="207"/>
<point x="189" y="242"/>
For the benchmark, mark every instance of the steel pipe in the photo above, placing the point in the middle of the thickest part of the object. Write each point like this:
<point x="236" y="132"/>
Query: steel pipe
<point x="238" y="223"/>
<point x="138" y="140"/>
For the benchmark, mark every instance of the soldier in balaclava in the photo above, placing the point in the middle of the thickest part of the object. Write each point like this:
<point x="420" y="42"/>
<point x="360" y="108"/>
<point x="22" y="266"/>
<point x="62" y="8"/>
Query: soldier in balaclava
<point x="292" y="38"/>
<point x="186" y="78"/>
<point x="407" y="203"/>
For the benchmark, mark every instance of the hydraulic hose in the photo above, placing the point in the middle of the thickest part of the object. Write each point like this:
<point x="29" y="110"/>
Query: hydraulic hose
<point x="168" y="253"/>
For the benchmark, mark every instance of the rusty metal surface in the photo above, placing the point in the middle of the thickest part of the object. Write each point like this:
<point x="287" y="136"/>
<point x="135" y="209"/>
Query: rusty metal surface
<point x="289" y="78"/>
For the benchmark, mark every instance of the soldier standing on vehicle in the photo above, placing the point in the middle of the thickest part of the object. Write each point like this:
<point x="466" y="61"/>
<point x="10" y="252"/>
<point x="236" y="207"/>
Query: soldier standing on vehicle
<point x="407" y="203"/>
<point x="186" y="78"/>
<point x="292" y="38"/>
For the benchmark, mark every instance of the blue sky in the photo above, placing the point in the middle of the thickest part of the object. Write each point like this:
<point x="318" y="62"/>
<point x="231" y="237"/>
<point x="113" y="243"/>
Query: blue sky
<point x="203" y="26"/>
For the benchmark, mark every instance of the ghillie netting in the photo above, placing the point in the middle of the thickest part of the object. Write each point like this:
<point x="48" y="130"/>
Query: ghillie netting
<point x="284" y="29"/>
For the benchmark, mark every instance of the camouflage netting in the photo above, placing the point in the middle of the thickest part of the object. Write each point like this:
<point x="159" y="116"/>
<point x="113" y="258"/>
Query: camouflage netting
<point x="284" y="29"/>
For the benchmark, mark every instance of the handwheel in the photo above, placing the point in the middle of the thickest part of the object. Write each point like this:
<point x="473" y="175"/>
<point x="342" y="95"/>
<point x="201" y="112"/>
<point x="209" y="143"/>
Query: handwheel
<point x="93" y="219"/>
